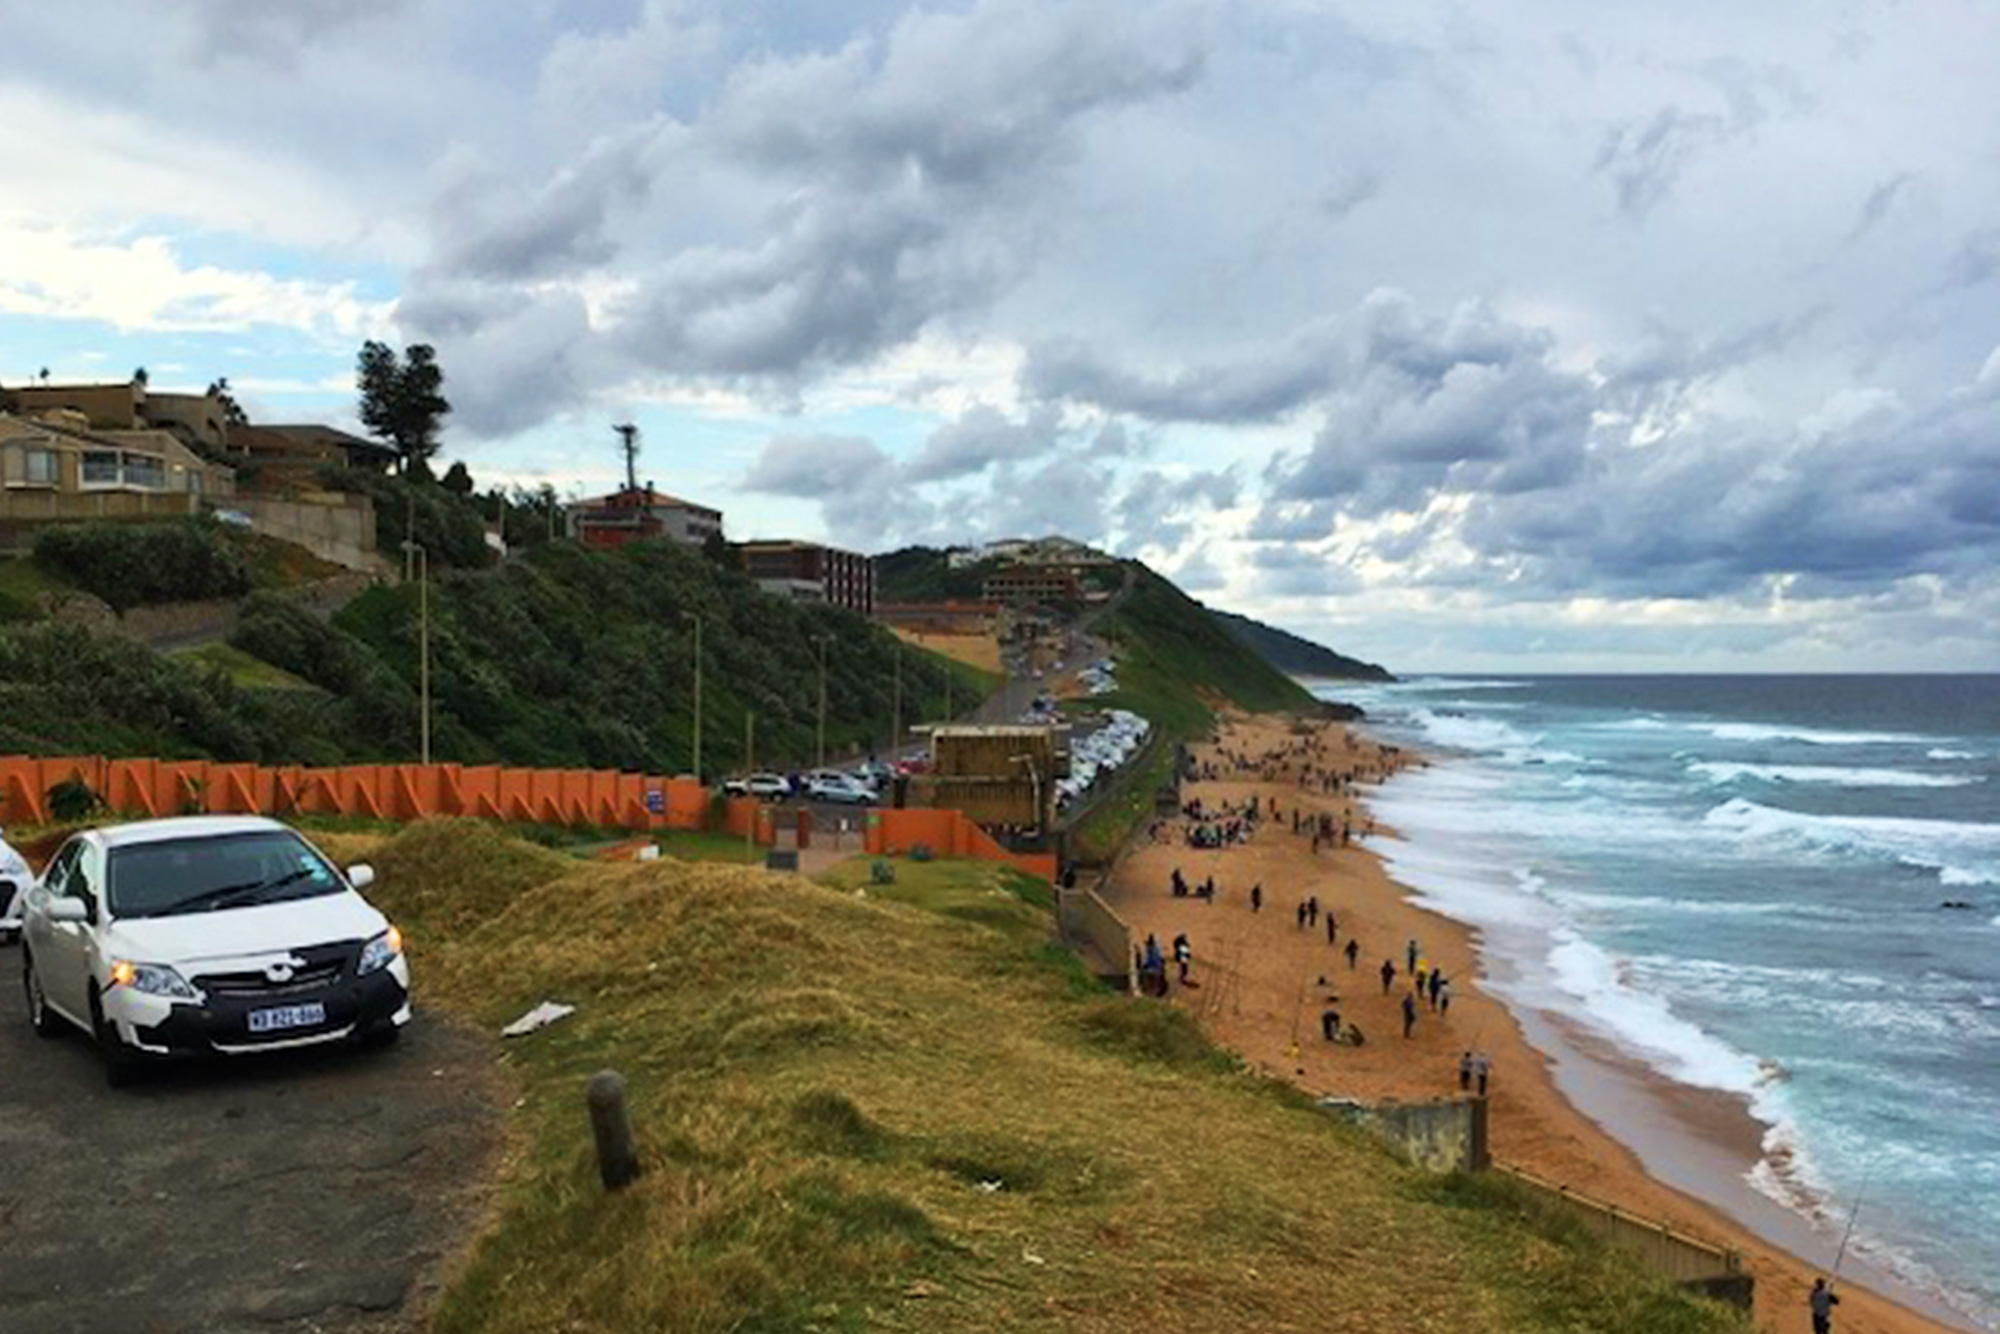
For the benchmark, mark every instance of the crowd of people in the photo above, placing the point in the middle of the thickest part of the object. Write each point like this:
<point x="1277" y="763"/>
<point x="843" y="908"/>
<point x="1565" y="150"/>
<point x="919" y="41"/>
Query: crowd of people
<point x="1419" y="988"/>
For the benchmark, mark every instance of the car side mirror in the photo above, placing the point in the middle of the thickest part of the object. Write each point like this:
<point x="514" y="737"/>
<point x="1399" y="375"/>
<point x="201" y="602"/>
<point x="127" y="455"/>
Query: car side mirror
<point x="361" y="876"/>
<point x="69" y="910"/>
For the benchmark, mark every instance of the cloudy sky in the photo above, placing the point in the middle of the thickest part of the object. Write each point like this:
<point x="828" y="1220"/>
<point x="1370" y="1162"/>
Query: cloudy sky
<point x="1552" y="336"/>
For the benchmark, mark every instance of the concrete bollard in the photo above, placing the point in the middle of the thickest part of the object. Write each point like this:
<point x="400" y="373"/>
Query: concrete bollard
<point x="611" y="1125"/>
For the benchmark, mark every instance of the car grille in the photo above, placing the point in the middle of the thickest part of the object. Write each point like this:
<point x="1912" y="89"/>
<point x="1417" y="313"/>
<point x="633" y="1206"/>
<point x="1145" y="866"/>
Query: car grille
<point x="323" y="967"/>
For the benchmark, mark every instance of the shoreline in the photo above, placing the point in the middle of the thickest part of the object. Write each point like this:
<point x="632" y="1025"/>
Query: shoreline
<point x="1677" y="1153"/>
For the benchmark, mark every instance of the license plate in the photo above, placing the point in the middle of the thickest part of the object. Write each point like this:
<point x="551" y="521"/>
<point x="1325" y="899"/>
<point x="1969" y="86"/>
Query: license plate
<point x="282" y="1017"/>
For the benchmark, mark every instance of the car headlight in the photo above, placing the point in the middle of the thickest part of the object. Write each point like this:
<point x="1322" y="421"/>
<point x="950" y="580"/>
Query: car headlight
<point x="151" y="979"/>
<point x="380" y="952"/>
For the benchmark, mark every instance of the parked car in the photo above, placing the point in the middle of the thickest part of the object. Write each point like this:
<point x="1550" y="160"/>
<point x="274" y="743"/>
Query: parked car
<point x="827" y="785"/>
<point x="15" y="882"/>
<point x="764" y="787"/>
<point x="208" y="936"/>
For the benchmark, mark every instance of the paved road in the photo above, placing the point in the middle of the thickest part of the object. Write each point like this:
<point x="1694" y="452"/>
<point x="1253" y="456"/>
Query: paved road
<point x="291" y="1194"/>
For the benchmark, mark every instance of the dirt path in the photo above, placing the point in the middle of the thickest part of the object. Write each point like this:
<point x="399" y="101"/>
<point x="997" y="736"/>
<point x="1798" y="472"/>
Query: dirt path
<point x="318" y="1192"/>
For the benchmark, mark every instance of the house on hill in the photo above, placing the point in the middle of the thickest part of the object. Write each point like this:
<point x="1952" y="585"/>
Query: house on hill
<point x="57" y="466"/>
<point x="637" y="514"/>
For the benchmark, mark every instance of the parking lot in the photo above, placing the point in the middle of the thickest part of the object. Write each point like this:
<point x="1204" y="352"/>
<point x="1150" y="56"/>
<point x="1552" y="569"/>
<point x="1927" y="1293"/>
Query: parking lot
<point x="311" y="1192"/>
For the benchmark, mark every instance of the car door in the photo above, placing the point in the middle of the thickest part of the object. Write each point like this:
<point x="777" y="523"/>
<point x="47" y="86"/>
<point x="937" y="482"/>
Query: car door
<point x="62" y="949"/>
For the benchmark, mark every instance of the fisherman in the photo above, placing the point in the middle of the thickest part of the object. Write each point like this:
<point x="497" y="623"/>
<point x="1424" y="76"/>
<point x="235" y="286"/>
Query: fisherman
<point x="1822" y="1301"/>
<point x="1388" y="975"/>
<point x="1409" y="1014"/>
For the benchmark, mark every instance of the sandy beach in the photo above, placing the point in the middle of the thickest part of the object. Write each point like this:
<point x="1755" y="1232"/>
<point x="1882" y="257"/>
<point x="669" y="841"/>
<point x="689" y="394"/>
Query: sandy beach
<point x="1261" y="981"/>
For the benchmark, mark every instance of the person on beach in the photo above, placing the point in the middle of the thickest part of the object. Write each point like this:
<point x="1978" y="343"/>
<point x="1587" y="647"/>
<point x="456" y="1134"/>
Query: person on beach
<point x="1302" y="916"/>
<point x="1410" y="956"/>
<point x="1330" y="931"/>
<point x="1257" y="897"/>
<point x="1183" y="954"/>
<point x="1353" y="952"/>
<point x="1388" y="975"/>
<point x="1437" y="985"/>
<point x="1822" y="1301"/>
<point x="1409" y="1014"/>
<point x="1312" y="910"/>
<point x="1482" y="1066"/>
<point x="1329" y="1024"/>
<point x="1465" y="1073"/>
<point x="1443" y="994"/>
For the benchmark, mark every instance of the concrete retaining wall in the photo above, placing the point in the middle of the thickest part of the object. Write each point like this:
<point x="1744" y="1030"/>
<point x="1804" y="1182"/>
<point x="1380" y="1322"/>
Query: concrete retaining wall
<point x="1663" y="1251"/>
<point x="340" y="528"/>
<point x="1086" y="917"/>
<point x="1448" y="1135"/>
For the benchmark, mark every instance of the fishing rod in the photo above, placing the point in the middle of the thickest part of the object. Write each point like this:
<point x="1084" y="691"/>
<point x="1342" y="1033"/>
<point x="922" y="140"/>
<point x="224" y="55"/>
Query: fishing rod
<point x="1852" y="1215"/>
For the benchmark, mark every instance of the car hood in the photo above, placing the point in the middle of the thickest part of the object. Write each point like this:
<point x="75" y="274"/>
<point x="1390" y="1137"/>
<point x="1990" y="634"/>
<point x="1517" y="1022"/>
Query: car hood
<point x="246" y="933"/>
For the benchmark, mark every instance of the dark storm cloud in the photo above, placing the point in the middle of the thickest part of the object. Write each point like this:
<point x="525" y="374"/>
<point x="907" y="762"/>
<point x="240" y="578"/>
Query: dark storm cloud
<point x="1255" y="388"/>
<point x="981" y="438"/>
<point x="516" y="356"/>
<point x="816" y="467"/>
<point x="865" y="190"/>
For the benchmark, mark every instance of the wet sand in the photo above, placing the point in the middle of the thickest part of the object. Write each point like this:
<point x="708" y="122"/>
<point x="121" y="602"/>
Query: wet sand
<point x="1261" y="981"/>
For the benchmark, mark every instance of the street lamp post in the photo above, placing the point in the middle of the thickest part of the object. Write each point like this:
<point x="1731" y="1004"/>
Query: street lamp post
<point x="696" y="618"/>
<point x="820" y="746"/>
<point x="413" y="551"/>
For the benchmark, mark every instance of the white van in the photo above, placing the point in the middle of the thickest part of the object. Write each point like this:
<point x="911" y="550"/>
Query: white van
<point x="212" y="935"/>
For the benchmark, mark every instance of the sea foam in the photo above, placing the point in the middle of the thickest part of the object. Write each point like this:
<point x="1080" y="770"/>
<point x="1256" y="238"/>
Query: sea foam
<point x="1721" y="771"/>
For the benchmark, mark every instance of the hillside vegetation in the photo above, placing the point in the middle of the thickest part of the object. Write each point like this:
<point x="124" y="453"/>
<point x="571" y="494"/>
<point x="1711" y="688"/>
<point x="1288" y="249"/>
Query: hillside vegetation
<point x="1295" y="655"/>
<point x="563" y="657"/>
<point x="906" y="1112"/>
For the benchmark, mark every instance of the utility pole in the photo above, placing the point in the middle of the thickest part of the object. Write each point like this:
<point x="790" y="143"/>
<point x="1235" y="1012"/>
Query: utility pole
<point x="628" y="441"/>
<point x="823" y="640"/>
<point x="414" y="552"/>
<point x="696" y="618"/>
<point x="750" y="767"/>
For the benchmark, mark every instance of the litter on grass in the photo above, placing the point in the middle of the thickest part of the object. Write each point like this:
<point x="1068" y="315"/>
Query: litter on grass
<point x="540" y="1017"/>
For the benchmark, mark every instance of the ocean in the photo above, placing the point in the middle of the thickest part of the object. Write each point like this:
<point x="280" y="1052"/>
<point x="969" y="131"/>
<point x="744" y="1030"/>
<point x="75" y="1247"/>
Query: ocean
<point x="1742" y="883"/>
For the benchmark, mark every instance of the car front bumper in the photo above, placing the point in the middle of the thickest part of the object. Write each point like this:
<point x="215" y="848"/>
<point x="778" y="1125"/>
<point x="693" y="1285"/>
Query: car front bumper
<point x="355" y="1006"/>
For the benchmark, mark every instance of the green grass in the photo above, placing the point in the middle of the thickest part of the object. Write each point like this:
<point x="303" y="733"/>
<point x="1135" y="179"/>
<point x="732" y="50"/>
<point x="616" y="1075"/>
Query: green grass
<point x="242" y="669"/>
<point x="704" y="846"/>
<point x="896" y="1112"/>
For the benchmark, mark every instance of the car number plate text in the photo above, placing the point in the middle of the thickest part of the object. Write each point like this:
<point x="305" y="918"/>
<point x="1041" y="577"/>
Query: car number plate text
<point x="287" y="1016"/>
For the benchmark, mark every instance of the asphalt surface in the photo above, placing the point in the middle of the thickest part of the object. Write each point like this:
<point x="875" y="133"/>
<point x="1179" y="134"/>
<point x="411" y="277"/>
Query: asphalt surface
<point x="307" y="1192"/>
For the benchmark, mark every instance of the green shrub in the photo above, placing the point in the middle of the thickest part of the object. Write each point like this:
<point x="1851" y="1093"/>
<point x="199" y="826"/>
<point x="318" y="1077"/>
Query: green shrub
<point x="138" y="564"/>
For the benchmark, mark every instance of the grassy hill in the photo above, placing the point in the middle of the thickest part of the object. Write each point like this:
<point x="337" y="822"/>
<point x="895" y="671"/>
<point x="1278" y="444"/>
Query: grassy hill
<point x="562" y="657"/>
<point x="1297" y="656"/>
<point x="905" y="1111"/>
<point x="924" y="574"/>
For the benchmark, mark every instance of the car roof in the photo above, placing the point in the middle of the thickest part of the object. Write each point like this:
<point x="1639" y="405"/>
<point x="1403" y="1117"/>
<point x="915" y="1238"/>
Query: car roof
<point x="189" y="826"/>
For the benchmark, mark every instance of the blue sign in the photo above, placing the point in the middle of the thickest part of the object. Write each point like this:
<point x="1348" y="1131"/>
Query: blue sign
<point x="656" y="801"/>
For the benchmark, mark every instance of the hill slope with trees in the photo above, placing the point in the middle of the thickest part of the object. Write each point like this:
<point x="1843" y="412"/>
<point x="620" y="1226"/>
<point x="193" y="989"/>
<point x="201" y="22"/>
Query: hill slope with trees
<point x="1295" y="655"/>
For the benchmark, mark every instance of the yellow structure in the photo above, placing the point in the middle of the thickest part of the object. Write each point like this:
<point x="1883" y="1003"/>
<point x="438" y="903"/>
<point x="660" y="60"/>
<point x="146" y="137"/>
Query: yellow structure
<point x="997" y="775"/>
<point x="50" y="463"/>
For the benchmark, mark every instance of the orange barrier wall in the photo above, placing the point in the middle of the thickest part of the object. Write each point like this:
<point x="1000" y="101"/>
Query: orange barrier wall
<point x="948" y="834"/>
<point x="369" y="791"/>
<point x="152" y="788"/>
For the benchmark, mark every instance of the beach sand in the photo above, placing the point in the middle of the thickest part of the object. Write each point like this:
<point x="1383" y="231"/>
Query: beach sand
<point x="1258" y="990"/>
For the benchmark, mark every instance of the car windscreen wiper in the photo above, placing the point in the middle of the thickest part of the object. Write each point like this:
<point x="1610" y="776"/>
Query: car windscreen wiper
<point x="224" y="896"/>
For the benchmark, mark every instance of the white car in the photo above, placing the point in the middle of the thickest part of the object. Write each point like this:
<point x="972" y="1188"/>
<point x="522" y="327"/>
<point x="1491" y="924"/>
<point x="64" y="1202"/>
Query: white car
<point x="837" y="787"/>
<point x="15" y="882"/>
<point x="211" y="935"/>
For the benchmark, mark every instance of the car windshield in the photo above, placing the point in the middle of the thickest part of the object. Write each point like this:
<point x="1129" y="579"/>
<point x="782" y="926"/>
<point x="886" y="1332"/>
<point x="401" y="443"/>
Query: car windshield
<point x="204" y="874"/>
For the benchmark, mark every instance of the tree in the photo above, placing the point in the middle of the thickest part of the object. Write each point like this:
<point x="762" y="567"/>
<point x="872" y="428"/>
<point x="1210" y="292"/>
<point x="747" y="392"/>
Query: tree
<point x="401" y="398"/>
<point x="457" y="480"/>
<point x="140" y="378"/>
<point x="232" y="412"/>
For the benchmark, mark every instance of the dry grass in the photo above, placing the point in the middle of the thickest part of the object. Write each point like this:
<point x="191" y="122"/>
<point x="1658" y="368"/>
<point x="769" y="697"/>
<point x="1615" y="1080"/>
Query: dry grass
<point x="895" y="1109"/>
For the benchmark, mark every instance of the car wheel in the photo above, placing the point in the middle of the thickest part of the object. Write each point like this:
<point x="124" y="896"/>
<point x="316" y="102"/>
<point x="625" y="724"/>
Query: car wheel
<point x="121" y="1066"/>
<point x="47" y="1023"/>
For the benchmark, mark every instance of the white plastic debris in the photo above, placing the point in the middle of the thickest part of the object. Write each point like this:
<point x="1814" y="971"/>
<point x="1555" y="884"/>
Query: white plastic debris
<point x="991" y="1187"/>
<point x="540" y="1017"/>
